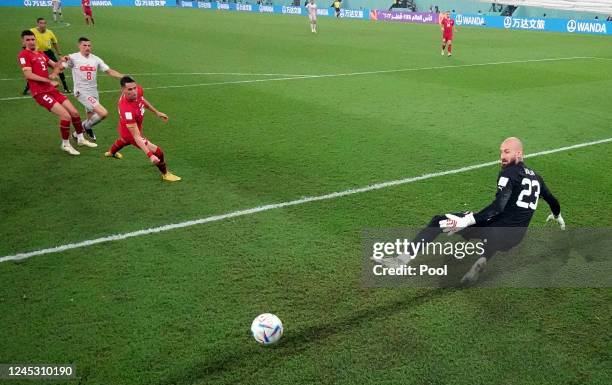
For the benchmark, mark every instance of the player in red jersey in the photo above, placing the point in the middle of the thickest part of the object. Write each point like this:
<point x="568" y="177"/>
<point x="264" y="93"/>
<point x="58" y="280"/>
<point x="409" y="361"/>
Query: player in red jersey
<point x="34" y="65"/>
<point x="132" y="106"/>
<point x="86" y="4"/>
<point x="448" y="27"/>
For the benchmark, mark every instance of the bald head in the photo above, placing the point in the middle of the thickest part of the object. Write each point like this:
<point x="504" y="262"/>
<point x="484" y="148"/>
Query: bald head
<point x="511" y="151"/>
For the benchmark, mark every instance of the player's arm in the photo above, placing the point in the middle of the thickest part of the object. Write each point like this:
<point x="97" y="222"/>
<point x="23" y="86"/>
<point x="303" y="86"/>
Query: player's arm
<point x="133" y="128"/>
<point x="29" y="75"/>
<point x="154" y="110"/>
<point x="454" y="223"/>
<point x="55" y="44"/>
<point x="57" y="68"/>
<point x="57" y="49"/>
<point x="553" y="203"/>
<point x="502" y="196"/>
<point x="113" y="73"/>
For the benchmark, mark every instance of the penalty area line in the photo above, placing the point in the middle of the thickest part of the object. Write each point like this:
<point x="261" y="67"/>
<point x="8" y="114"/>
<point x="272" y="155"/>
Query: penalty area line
<point x="274" y="206"/>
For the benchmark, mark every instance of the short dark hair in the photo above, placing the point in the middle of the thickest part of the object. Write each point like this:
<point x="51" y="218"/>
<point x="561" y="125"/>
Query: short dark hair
<point x="39" y="19"/>
<point x="125" y="80"/>
<point x="82" y="39"/>
<point x="27" y="32"/>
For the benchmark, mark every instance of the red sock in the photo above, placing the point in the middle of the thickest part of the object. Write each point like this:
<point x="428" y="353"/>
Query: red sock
<point x="162" y="163"/>
<point x="118" y="145"/>
<point x="78" y="126"/>
<point x="450" y="48"/>
<point x="65" y="129"/>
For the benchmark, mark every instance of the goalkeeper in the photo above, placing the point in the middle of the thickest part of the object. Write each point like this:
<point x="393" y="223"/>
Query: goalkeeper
<point x="505" y="221"/>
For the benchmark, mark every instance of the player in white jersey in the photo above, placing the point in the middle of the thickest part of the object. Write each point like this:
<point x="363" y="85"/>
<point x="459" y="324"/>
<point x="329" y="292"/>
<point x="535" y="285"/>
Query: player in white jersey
<point x="57" y="10"/>
<point x="84" y="67"/>
<point x="312" y="15"/>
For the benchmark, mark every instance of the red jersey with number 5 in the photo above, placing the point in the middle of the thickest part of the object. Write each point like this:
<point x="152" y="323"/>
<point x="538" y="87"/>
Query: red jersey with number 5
<point x="39" y="63"/>
<point x="448" y="25"/>
<point x="130" y="113"/>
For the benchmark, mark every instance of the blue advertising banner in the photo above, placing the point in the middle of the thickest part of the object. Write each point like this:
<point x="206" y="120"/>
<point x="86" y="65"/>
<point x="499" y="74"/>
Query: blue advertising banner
<point x="94" y="3"/>
<point x="596" y="27"/>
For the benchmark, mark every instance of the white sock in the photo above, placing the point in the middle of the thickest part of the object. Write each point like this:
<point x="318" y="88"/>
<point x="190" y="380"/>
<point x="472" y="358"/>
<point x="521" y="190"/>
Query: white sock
<point x="65" y="142"/>
<point x="80" y="137"/>
<point x="93" y="120"/>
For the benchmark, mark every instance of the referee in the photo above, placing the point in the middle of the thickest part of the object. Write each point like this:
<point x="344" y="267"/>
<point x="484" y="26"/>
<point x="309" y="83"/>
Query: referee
<point x="47" y="42"/>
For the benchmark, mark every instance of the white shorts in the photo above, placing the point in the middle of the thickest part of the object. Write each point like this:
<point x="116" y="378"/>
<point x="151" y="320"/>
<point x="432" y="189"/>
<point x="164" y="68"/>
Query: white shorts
<point x="57" y="7"/>
<point x="312" y="17"/>
<point x="89" y="99"/>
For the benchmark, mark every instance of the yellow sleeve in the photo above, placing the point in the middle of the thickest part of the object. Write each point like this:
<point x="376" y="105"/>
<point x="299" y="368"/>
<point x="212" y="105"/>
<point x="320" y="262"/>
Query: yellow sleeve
<point x="53" y="38"/>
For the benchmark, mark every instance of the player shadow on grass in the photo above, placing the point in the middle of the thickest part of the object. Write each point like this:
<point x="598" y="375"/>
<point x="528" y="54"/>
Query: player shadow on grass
<point x="295" y="342"/>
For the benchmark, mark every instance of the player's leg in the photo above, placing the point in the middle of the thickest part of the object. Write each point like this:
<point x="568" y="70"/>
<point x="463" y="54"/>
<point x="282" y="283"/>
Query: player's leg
<point x="495" y="239"/>
<point x="163" y="168"/>
<point x="76" y="121"/>
<point x="449" y="44"/>
<point x="64" y="116"/>
<point x="427" y="234"/>
<point x="95" y="112"/>
<point x="443" y="45"/>
<point x="113" y="151"/>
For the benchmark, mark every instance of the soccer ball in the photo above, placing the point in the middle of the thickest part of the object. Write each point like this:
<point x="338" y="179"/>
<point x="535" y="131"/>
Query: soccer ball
<point x="267" y="329"/>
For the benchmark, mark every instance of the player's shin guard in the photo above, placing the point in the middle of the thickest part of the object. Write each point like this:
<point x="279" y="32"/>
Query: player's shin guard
<point x="118" y="145"/>
<point x="65" y="129"/>
<point x="78" y="125"/>
<point x="162" y="162"/>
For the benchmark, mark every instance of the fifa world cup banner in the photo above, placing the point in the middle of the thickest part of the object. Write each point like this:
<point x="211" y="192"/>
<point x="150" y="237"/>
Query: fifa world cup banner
<point x="405" y="17"/>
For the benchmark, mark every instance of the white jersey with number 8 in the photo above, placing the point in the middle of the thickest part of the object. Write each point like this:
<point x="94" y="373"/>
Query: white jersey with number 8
<point x="84" y="72"/>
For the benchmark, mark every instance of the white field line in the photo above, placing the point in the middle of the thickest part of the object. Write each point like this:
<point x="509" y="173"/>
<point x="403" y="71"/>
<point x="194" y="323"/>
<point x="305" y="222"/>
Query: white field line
<point x="274" y="206"/>
<point x="186" y="74"/>
<point x="287" y="78"/>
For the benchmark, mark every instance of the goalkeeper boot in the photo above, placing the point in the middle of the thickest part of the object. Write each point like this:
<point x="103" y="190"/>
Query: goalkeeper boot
<point x="472" y="275"/>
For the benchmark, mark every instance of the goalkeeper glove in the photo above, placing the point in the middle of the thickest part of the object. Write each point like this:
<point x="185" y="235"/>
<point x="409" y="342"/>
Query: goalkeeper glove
<point x="558" y="219"/>
<point x="454" y="223"/>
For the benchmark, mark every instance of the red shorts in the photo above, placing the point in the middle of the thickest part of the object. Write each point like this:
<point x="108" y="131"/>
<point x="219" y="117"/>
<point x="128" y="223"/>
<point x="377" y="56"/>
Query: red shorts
<point x="447" y="36"/>
<point x="87" y="11"/>
<point x="48" y="99"/>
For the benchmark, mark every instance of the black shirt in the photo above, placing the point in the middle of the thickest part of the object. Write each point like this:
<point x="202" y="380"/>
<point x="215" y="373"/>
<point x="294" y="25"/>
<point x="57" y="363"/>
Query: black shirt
<point x="518" y="191"/>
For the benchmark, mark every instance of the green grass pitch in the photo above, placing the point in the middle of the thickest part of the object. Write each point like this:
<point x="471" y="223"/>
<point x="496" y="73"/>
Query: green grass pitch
<point x="175" y="307"/>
